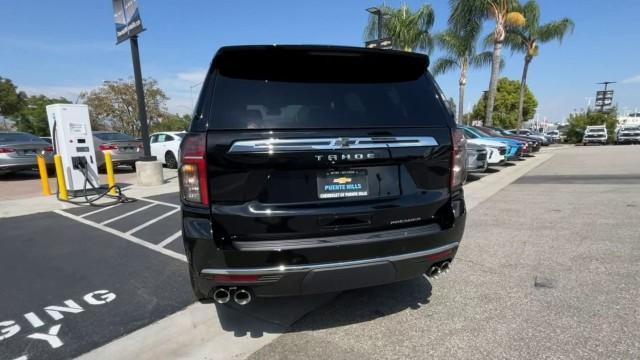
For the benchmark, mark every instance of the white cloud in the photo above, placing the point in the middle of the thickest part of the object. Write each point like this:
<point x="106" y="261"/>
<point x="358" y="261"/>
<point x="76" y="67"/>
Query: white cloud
<point x="183" y="89"/>
<point x="632" y="80"/>
<point x="194" y="77"/>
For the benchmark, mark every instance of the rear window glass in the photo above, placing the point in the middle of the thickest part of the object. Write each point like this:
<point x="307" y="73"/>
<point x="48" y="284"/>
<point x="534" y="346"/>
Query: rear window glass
<point x="260" y="104"/>
<point x="9" y="138"/>
<point x="113" y="136"/>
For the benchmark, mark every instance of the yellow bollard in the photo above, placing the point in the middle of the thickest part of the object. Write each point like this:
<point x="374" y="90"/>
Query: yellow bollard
<point x="44" y="176"/>
<point x="62" y="186"/>
<point x="111" y="181"/>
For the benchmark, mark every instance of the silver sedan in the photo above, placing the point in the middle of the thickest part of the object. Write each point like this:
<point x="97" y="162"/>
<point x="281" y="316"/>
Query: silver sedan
<point x="18" y="151"/>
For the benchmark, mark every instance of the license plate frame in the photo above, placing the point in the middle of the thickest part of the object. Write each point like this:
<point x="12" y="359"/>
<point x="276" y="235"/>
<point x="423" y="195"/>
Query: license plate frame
<point x="342" y="184"/>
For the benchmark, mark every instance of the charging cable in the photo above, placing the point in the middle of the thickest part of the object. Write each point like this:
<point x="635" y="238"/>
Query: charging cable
<point x="99" y="191"/>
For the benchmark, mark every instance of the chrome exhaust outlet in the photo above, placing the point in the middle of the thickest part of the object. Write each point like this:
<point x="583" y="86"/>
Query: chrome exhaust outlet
<point x="221" y="296"/>
<point x="434" y="272"/>
<point x="242" y="297"/>
<point x="445" y="267"/>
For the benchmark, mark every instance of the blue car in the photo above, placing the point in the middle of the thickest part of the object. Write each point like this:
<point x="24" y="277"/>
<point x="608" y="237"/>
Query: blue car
<point x="514" y="149"/>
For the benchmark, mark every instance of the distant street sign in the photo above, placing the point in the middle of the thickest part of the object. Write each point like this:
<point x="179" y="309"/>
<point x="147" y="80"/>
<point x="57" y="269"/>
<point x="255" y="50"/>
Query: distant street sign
<point x="384" y="43"/>
<point x="603" y="95"/>
<point x="127" y="19"/>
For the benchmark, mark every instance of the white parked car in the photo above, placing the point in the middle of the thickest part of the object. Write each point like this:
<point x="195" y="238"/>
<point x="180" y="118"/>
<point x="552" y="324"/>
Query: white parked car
<point x="166" y="147"/>
<point x="496" y="151"/>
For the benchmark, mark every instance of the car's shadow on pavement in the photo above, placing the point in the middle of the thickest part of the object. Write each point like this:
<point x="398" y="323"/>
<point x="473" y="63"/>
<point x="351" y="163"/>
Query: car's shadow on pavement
<point x="314" y="312"/>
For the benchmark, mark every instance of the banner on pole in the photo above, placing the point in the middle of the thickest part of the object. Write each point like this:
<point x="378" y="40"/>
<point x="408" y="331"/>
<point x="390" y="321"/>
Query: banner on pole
<point x="126" y="15"/>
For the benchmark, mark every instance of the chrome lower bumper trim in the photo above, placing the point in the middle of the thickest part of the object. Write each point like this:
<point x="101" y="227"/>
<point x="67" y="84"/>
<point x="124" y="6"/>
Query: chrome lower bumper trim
<point x="283" y="269"/>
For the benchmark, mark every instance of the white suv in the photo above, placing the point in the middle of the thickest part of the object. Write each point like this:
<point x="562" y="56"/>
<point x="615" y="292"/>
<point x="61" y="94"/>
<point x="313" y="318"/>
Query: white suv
<point x="595" y="135"/>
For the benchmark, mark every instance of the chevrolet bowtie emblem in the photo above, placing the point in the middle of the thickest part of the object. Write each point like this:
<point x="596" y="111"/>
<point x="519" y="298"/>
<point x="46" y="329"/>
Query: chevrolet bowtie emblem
<point x="342" y="142"/>
<point x="342" y="180"/>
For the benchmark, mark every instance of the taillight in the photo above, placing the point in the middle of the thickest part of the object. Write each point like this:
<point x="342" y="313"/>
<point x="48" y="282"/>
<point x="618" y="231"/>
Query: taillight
<point x="458" y="158"/>
<point x="104" y="147"/>
<point x="5" y="150"/>
<point x="48" y="148"/>
<point x="193" y="171"/>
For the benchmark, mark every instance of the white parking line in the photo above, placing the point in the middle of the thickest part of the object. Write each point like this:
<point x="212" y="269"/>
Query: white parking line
<point x="168" y="240"/>
<point x="126" y="214"/>
<point x="99" y="210"/>
<point x="140" y="227"/>
<point x="160" y="202"/>
<point x="128" y="237"/>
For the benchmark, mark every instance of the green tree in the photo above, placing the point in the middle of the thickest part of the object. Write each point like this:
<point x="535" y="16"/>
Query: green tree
<point x="11" y="100"/>
<point x="408" y="30"/>
<point x="578" y="123"/>
<point x="114" y="105"/>
<point x="506" y="103"/>
<point x="470" y="13"/>
<point x="527" y="39"/>
<point x="32" y="118"/>
<point x="460" y="49"/>
<point x="172" y="122"/>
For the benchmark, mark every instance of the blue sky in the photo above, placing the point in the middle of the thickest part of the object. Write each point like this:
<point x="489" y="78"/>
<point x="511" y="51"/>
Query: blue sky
<point x="60" y="48"/>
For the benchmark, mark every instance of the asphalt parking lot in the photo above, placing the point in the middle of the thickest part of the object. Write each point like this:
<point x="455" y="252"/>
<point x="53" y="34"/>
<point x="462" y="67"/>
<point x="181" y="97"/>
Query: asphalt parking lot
<point x="80" y="278"/>
<point x="547" y="269"/>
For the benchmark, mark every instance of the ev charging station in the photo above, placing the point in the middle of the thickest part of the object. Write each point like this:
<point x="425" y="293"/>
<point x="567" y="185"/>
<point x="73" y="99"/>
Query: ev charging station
<point x="72" y="139"/>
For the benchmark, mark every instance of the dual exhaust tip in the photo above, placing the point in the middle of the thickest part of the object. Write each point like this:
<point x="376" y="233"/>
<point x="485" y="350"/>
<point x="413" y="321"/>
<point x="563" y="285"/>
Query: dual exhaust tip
<point x="241" y="296"/>
<point x="439" y="269"/>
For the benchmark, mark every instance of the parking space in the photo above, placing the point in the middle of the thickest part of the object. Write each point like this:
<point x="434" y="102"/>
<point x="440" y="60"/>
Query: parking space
<point x="74" y="280"/>
<point x="153" y="222"/>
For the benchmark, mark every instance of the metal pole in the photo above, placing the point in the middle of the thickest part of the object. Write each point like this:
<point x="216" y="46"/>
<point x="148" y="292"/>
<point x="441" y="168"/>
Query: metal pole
<point x="142" y="111"/>
<point x="379" y="24"/>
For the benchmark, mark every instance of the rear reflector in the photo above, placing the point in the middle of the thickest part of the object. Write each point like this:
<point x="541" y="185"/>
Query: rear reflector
<point x="441" y="255"/>
<point x="236" y="278"/>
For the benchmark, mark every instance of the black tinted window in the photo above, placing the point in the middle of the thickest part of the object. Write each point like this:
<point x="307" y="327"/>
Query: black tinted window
<point x="115" y="136"/>
<point x="16" y="137"/>
<point x="259" y="104"/>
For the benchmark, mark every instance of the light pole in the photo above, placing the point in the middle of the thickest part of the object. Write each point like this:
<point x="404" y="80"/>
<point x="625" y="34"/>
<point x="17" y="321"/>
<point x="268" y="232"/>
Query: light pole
<point x="191" y="93"/>
<point x="377" y="12"/>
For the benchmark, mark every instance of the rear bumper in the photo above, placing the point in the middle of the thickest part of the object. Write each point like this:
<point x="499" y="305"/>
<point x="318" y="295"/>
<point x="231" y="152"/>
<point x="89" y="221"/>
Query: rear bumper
<point x="628" y="140"/>
<point x="21" y="163"/>
<point x="594" y="141"/>
<point x="309" y="267"/>
<point x="338" y="276"/>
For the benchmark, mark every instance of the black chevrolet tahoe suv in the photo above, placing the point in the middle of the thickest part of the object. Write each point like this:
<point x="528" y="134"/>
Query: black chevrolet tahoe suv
<point x="311" y="169"/>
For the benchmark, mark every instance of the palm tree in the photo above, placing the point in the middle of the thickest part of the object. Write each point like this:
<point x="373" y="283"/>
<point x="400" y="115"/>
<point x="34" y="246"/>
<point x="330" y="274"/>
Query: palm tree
<point x="471" y="13"/>
<point x="528" y="38"/>
<point x="408" y="30"/>
<point x="460" y="48"/>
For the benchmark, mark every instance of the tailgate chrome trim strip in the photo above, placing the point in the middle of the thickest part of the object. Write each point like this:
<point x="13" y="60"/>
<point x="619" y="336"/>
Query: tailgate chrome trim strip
<point x="339" y="143"/>
<point x="283" y="269"/>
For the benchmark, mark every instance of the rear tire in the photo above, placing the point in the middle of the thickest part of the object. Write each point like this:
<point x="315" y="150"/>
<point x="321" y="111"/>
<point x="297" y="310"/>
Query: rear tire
<point x="170" y="160"/>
